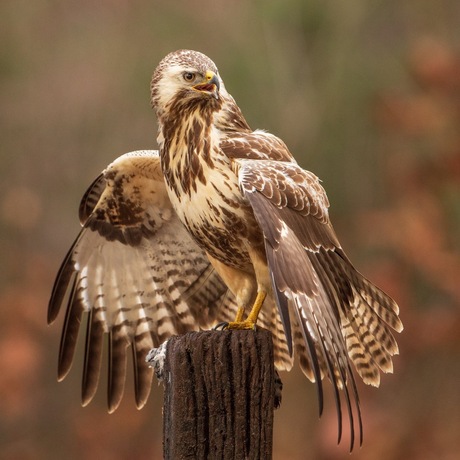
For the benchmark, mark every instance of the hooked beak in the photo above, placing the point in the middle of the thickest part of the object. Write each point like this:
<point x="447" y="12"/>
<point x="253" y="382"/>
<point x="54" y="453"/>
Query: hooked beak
<point x="210" y="84"/>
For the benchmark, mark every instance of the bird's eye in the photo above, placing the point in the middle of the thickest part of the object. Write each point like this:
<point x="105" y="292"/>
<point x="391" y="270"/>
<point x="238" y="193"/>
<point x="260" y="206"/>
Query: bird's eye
<point x="189" y="76"/>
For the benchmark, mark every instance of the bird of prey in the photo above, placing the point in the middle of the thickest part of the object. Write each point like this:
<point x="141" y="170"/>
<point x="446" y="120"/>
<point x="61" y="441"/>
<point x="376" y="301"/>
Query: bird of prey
<point x="222" y="225"/>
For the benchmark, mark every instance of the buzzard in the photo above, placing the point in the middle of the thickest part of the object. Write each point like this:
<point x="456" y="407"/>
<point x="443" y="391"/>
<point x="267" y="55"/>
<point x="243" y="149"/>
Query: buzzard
<point x="220" y="225"/>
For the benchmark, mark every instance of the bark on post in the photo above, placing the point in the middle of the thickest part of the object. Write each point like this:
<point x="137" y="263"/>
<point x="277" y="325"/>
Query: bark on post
<point x="219" y="395"/>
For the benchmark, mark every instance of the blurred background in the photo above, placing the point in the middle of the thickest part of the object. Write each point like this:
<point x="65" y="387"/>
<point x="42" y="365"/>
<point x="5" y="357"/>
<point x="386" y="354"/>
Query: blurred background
<point x="365" y="94"/>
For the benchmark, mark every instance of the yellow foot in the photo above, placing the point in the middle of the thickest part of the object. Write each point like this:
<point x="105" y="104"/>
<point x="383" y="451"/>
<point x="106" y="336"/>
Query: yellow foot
<point x="241" y="325"/>
<point x="251" y="320"/>
<point x="254" y="314"/>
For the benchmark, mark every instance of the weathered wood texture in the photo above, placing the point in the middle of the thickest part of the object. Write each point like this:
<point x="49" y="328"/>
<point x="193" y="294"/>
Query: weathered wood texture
<point x="219" y="395"/>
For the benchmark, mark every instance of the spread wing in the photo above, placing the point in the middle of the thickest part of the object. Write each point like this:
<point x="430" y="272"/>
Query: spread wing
<point x="341" y="316"/>
<point x="137" y="274"/>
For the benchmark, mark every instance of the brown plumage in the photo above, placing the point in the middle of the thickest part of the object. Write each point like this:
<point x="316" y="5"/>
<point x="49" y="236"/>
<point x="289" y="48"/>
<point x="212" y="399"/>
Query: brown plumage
<point x="221" y="218"/>
<point x="264" y="223"/>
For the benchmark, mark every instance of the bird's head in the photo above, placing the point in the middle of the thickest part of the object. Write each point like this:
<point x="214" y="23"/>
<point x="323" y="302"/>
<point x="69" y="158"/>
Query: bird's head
<point x="185" y="77"/>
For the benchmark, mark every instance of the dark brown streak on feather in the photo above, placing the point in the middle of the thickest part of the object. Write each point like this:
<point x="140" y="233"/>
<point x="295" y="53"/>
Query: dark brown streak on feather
<point x="198" y="149"/>
<point x="119" y="217"/>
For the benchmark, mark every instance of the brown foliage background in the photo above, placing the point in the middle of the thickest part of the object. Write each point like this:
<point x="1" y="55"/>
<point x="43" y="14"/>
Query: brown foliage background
<point x="366" y="94"/>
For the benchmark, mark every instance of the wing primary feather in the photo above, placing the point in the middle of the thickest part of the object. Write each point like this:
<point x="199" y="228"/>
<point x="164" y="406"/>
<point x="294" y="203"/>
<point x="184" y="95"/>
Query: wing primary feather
<point x="90" y="198"/>
<point x="93" y="357"/>
<point x="143" y="374"/>
<point x="62" y="283"/>
<point x="358" y="406"/>
<point x="281" y="300"/>
<point x="69" y="332"/>
<point x="117" y="368"/>
<point x="337" y="399"/>
<point x="337" y="338"/>
<point x="311" y="350"/>
<point x="326" y="353"/>
<point x="330" y="370"/>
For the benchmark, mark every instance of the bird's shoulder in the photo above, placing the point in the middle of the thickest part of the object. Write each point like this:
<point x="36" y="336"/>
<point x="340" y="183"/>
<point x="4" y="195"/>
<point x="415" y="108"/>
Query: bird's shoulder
<point x="255" y="145"/>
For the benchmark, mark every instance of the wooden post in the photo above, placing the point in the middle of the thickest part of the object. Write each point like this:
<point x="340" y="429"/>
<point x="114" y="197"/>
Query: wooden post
<point x="219" y="395"/>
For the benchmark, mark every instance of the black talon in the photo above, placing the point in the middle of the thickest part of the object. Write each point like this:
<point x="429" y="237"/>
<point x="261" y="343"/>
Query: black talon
<point x="221" y="326"/>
